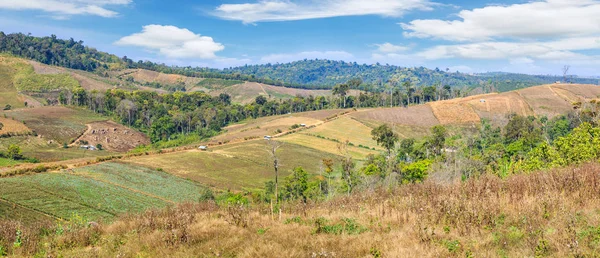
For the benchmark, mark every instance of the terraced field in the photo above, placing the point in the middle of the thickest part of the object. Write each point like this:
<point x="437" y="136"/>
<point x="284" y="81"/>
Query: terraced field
<point x="95" y="192"/>
<point x="326" y="145"/>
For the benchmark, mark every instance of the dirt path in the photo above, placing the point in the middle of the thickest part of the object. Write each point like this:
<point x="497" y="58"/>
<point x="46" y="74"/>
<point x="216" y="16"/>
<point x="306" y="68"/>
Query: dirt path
<point x="263" y="89"/>
<point x="87" y="131"/>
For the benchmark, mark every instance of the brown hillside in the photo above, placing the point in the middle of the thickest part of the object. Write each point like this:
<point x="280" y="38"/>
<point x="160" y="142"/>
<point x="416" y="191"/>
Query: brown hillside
<point x="112" y="136"/>
<point x="141" y="75"/>
<point x="247" y="92"/>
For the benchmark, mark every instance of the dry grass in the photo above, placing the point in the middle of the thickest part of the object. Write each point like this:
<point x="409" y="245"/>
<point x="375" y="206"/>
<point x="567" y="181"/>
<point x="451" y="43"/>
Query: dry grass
<point x="547" y="214"/>
<point x="247" y="92"/>
<point x="420" y="116"/>
<point x="454" y="113"/>
<point x="345" y="128"/>
<point x="545" y="101"/>
<point x="12" y="127"/>
<point x="327" y="145"/>
<point x="584" y="91"/>
<point x="141" y="75"/>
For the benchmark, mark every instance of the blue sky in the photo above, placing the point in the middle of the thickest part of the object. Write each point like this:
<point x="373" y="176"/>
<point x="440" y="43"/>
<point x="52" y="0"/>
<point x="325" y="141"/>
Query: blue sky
<point x="536" y="37"/>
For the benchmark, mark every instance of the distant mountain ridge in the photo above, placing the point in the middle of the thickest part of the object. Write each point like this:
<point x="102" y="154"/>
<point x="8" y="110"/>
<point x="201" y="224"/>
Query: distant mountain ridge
<point x="306" y="74"/>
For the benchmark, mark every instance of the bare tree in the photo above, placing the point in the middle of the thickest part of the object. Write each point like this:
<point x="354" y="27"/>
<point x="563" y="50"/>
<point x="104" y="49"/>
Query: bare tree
<point x="565" y="70"/>
<point x="272" y="147"/>
<point x="347" y="164"/>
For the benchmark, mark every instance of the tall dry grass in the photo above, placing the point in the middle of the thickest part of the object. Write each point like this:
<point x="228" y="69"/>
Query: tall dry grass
<point x="545" y="214"/>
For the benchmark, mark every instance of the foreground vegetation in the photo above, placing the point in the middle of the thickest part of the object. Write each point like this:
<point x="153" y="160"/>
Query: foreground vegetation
<point x="542" y="214"/>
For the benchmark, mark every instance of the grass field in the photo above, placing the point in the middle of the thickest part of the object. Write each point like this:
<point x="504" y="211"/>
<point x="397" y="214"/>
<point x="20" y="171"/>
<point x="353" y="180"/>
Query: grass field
<point x="235" y="166"/>
<point x="343" y="129"/>
<point x="325" y="145"/>
<point x="97" y="192"/>
<point x="215" y="84"/>
<point x="8" y="92"/>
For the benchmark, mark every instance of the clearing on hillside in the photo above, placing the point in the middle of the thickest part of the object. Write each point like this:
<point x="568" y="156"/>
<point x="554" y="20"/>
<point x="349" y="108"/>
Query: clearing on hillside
<point x="147" y="76"/>
<point x="95" y="192"/>
<point x="8" y="92"/>
<point x="257" y="128"/>
<point x="545" y="101"/>
<point x="247" y="92"/>
<point x="585" y="91"/>
<point x="419" y="116"/>
<point x="56" y="123"/>
<point x="497" y="107"/>
<point x="234" y="166"/>
<point x="112" y="136"/>
<point x="326" y="145"/>
<point x="345" y="128"/>
<point x="12" y="127"/>
<point x="454" y="113"/>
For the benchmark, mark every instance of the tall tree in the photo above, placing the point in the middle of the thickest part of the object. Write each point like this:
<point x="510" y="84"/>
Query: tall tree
<point x="385" y="137"/>
<point x="342" y="91"/>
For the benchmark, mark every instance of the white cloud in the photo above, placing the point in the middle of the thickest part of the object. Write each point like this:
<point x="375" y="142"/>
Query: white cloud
<point x="533" y="20"/>
<point x="173" y="42"/>
<point x="290" y="10"/>
<point x="550" y="50"/>
<point x="285" y="58"/>
<point x="391" y="48"/>
<point x="63" y="9"/>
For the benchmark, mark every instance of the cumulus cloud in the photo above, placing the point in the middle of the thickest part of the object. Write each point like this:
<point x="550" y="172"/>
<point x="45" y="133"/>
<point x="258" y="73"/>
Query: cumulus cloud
<point x="391" y="48"/>
<point x="532" y="20"/>
<point x="63" y="9"/>
<point x="290" y="10"/>
<point x="173" y="42"/>
<point x="285" y="58"/>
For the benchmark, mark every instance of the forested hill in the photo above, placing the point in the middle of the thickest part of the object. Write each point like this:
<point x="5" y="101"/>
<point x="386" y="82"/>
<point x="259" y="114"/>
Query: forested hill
<point x="330" y="73"/>
<point x="309" y="74"/>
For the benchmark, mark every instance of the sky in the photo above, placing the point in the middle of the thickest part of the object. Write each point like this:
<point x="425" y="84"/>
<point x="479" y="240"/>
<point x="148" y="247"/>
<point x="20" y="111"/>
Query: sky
<point x="533" y="37"/>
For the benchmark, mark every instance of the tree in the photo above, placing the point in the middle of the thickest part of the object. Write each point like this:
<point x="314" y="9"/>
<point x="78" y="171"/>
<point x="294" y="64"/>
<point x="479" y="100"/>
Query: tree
<point x="99" y="146"/>
<point x="385" y="137"/>
<point x="409" y="89"/>
<point x="565" y="71"/>
<point x="7" y="107"/>
<point x="438" y="139"/>
<point x="1" y="126"/>
<point x="296" y="184"/>
<point x="342" y="91"/>
<point x="272" y="147"/>
<point x="260" y="100"/>
<point x="14" y="152"/>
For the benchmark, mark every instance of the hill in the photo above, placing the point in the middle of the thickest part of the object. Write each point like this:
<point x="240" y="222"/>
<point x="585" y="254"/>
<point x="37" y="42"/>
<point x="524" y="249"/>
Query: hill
<point x="310" y="74"/>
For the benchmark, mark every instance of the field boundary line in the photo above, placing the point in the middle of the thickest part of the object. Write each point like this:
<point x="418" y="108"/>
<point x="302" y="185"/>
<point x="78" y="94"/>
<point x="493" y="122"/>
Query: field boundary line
<point x="31" y="209"/>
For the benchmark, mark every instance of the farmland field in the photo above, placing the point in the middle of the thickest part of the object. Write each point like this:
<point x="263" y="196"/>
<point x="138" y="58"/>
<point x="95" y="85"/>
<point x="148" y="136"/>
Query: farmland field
<point x="98" y="191"/>
<point x="420" y="116"/>
<point x="13" y="127"/>
<point x="234" y="166"/>
<point x="59" y="124"/>
<point x="112" y="136"/>
<point x="8" y="92"/>
<point x="545" y="102"/>
<point x="343" y="129"/>
<point x="327" y="146"/>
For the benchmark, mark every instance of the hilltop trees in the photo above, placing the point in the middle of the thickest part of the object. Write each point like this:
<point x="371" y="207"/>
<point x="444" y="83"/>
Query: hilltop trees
<point x="341" y="90"/>
<point x="385" y="136"/>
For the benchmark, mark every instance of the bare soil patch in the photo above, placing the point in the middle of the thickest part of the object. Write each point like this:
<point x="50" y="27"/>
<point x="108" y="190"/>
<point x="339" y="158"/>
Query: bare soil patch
<point x="545" y="102"/>
<point x="112" y="136"/>
<point x="581" y="90"/>
<point x="454" y="113"/>
<point x="421" y="115"/>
